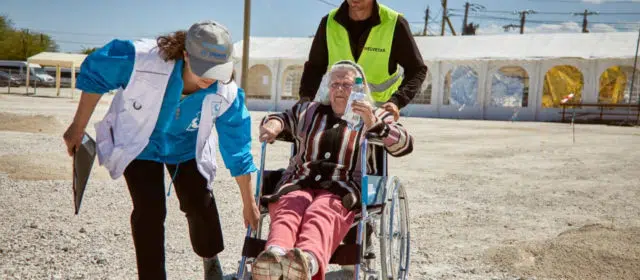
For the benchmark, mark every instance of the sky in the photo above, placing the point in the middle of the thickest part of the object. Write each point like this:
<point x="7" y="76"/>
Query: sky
<point x="78" y="24"/>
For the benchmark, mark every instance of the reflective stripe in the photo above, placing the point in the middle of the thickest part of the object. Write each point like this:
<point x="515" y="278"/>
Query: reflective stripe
<point x="386" y="85"/>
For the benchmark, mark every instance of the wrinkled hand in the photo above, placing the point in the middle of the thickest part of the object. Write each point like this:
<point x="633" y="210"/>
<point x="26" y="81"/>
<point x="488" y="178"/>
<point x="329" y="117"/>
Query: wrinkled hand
<point x="251" y="215"/>
<point x="392" y="108"/>
<point x="73" y="138"/>
<point x="365" y="111"/>
<point x="269" y="131"/>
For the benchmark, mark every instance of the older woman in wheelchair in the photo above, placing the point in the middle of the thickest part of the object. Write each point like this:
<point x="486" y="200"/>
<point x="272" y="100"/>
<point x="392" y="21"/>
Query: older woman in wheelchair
<point x="317" y="198"/>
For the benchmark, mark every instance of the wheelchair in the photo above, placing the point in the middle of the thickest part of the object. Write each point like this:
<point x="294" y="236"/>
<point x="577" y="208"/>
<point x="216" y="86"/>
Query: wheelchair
<point x="383" y="202"/>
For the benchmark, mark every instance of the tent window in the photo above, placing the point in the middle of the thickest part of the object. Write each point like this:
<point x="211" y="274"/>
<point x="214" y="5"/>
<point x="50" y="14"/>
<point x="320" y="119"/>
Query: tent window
<point x="615" y="86"/>
<point x="424" y="96"/>
<point x="510" y="87"/>
<point x="559" y="82"/>
<point x="259" y="82"/>
<point x="461" y="87"/>
<point x="292" y="76"/>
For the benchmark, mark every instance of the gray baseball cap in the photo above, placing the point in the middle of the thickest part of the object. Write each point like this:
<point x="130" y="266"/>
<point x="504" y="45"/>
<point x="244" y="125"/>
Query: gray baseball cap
<point x="210" y="50"/>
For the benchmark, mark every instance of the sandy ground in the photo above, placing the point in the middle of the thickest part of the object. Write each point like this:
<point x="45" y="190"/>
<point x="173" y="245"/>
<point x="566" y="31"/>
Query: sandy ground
<point x="488" y="200"/>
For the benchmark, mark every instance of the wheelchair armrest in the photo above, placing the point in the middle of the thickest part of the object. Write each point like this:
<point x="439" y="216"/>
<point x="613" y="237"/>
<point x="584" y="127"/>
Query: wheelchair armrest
<point x="285" y="136"/>
<point x="374" y="139"/>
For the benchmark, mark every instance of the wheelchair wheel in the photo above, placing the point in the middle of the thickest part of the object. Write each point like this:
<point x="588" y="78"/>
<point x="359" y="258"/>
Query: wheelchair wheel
<point x="394" y="229"/>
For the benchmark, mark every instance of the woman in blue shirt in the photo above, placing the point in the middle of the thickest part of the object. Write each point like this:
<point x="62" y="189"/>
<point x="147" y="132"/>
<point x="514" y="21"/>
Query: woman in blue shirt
<point x="150" y="125"/>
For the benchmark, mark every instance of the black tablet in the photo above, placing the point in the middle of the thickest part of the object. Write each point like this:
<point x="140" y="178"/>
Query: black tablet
<point x="82" y="164"/>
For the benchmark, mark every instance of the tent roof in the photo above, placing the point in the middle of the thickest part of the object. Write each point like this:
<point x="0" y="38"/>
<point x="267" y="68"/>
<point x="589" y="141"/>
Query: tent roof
<point x="271" y="47"/>
<point x="55" y="59"/>
<point x="530" y="46"/>
<point x="504" y="47"/>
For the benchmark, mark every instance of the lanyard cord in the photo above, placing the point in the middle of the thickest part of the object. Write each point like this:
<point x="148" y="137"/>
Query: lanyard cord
<point x="173" y="178"/>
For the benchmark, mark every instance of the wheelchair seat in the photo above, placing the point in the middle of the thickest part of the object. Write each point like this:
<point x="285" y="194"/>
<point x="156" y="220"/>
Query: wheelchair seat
<point x="271" y="178"/>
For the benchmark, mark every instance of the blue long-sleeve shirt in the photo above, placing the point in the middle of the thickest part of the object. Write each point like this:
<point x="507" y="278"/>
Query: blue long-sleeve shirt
<point x="175" y="135"/>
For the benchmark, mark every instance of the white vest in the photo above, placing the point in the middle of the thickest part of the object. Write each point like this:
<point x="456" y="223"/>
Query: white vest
<point x="125" y="130"/>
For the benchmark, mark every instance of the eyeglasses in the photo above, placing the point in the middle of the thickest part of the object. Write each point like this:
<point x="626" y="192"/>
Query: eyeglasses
<point x="346" y="86"/>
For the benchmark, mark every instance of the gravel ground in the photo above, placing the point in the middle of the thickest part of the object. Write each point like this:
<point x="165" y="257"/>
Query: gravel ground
<point x="488" y="200"/>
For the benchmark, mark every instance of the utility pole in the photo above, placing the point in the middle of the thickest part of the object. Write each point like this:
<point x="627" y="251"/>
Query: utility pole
<point x="426" y="22"/>
<point x="466" y="15"/>
<point x="445" y="19"/>
<point x="523" y="18"/>
<point x="453" y="31"/>
<point x="245" y="45"/>
<point x="584" y="19"/>
<point x="444" y="16"/>
<point x="469" y="29"/>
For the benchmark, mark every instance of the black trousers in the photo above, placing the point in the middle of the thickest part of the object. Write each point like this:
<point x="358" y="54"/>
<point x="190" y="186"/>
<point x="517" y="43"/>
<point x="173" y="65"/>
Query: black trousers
<point x="145" y="180"/>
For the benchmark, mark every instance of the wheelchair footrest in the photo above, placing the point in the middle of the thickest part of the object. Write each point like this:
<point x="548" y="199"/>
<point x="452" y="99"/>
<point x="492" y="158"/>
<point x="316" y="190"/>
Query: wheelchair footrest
<point x="253" y="247"/>
<point x="345" y="254"/>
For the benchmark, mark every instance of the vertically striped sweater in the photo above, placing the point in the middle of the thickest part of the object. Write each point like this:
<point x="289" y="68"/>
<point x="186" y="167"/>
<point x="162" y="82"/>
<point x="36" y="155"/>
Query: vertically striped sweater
<point x="328" y="152"/>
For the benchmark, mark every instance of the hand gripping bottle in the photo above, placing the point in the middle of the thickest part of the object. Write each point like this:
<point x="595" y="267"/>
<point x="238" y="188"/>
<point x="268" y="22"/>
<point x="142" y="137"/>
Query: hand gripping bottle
<point x="357" y="93"/>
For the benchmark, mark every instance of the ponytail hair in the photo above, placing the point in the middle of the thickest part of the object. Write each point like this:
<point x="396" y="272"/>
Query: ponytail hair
<point x="172" y="45"/>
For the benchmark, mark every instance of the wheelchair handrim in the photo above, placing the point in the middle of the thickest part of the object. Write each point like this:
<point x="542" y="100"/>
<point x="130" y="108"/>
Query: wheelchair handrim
<point x="396" y="195"/>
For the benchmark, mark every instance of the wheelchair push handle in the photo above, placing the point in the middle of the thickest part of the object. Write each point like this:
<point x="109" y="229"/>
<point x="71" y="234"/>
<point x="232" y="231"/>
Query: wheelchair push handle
<point x="374" y="139"/>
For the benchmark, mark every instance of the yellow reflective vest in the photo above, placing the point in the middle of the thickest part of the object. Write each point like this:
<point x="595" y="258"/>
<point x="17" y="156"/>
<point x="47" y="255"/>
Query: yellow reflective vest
<point x="374" y="58"/>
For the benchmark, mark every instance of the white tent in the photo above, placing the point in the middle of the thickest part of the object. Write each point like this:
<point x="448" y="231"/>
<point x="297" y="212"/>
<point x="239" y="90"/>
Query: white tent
<point x="498" y="77"/>
<point x="58" y="60"/>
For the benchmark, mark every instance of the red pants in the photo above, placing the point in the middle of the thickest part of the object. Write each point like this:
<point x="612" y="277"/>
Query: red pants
<point x="311" y="220"/>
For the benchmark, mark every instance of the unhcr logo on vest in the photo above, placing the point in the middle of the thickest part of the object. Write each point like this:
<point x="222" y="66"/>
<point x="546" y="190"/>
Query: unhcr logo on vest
<point x="373" y="49"/>
<point x="194" y="124"/>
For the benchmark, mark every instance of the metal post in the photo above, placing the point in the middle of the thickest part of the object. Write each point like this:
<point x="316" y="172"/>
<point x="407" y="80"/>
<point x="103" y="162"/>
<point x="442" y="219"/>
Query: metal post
<point x="9" y="88"/>
<point x="633" y="79"/>
<point x="245" y="45"/>
<point x="573" y="124"/>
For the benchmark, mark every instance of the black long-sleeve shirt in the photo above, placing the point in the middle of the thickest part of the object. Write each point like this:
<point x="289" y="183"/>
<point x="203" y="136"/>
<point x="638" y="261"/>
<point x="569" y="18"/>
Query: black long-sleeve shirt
<point x="404" y="52"/>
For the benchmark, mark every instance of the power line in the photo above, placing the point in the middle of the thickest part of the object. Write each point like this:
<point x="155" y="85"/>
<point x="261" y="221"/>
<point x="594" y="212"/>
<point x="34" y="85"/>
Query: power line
<point x="585" y="20"/>
<point x="79" y="43"/>
<point x="582" y="2"/>
<point x="547" y="13"/>
<point x="546" y="21"/>
<point x="617" y="13"/>
<point x="327" y="2"/>
<point x="46" y="31"/>
<point x="513" y="12"/>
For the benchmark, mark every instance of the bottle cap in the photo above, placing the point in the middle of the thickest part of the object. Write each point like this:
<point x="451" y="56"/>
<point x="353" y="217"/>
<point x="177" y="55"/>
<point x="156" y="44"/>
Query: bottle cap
<point x="358" y="80"/>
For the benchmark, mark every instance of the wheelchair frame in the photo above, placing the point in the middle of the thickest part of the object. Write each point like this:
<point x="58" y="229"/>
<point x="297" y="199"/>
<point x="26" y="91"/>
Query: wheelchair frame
<point x="387" y="189"/>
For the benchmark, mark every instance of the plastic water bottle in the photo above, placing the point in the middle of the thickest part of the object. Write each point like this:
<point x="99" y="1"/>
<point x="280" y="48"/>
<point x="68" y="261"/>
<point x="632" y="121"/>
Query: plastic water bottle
<point x="357" y="93"/>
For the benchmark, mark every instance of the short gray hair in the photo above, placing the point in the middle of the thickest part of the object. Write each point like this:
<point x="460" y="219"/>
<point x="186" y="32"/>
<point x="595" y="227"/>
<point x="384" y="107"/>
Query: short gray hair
<point x="323" y="95"/>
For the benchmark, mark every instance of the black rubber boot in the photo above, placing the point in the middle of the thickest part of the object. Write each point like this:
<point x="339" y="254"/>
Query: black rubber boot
<point x="212" y="269"/>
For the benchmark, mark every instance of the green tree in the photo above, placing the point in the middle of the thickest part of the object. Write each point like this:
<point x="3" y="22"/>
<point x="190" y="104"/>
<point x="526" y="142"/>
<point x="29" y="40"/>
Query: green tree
<point x="20" y="44"/>
<point x="89" y="50"/>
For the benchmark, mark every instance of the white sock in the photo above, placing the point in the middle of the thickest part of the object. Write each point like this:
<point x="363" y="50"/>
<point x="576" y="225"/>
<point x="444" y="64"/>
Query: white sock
<point x="313" y="263"/>
<point x="277" y="249"/>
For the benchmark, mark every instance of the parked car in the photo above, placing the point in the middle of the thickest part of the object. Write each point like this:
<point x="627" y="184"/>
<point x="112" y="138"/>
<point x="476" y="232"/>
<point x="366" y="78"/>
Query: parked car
<point x="14" y="80"/>
<point x="65" y="75"/>
<point x="37" y="75"/>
